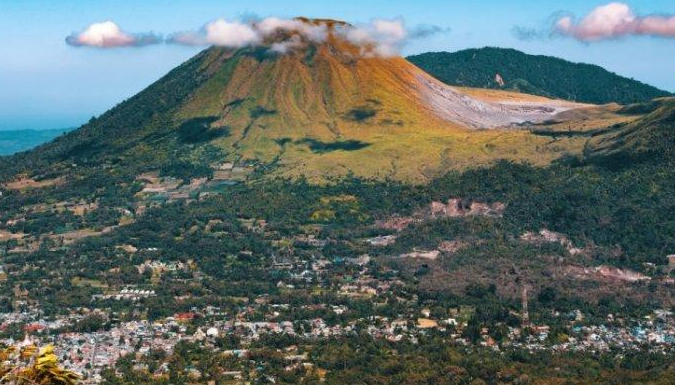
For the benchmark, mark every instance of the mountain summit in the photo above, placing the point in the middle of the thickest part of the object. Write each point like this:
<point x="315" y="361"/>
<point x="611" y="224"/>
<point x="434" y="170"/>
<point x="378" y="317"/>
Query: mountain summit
<point x="326" y="88"/>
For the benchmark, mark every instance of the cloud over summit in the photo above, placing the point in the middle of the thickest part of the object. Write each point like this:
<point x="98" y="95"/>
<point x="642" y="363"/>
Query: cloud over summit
<point x="378" y="38"/>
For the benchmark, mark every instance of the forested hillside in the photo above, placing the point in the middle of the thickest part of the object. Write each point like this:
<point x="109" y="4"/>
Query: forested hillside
<point x="534" y="74"/>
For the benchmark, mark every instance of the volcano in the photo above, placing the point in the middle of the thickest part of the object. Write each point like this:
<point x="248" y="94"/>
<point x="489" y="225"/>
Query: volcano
<point x="329" y="87"/>
<point x="318" y="109"/>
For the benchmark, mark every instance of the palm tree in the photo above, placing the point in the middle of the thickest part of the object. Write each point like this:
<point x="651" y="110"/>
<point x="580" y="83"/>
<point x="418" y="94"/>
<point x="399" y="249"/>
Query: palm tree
<point x="34" y="366"/>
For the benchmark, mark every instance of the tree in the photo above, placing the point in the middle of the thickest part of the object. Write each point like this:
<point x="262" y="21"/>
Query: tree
<point x="34" y="366"/>
<point x="472" y="330"/>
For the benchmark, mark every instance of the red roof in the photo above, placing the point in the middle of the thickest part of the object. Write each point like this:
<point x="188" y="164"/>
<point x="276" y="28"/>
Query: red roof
<point x="33" y="327"/>
<point x="185" y="316"/>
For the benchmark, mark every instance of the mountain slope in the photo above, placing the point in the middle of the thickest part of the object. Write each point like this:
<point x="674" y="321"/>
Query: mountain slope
<point x="322" y="110"/>
<point x="535" y="74"/>
<point x="650" y="138"/>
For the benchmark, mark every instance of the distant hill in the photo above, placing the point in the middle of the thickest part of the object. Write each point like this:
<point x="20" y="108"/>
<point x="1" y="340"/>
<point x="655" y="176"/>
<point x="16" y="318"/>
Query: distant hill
<point x="13" y="141"/>
<point x="534" y="74"/>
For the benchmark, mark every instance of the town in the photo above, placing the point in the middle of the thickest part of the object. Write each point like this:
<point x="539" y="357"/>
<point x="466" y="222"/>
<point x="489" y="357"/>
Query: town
<point x="93" y="340"/>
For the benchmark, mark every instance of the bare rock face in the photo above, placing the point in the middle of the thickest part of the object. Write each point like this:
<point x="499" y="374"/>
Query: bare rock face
<point x="451" y="247"/>
<point x="499" y="80"/>
<point x="606" y="273"/>
<point x="460" y="208"/>
<point x="424" y="254"/>
<point x="438" y="209"/>
<point x="671" y="260"/>
<point x="451" y="105"/>
<point x="396" y="223"/>
<point x="454" y="208"/>
<point x="547" y="236"/>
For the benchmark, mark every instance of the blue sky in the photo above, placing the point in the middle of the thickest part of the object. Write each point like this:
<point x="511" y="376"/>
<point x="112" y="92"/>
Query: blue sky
<point x="45" y="83"/>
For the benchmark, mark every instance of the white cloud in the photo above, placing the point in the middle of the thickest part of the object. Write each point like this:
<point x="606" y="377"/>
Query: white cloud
<point x="378" y="38"/>
<point x="236" y="34"/>
<point x="109" y="35"/>
<point x="614" y="20"/>
<point x="226" y="34"/>
<point x="286" y="46"/>
<point x="220" y="33"/>
<point x="272" y="25"/>
<point x="385" y="38"/>
<point x="390" y="29"/>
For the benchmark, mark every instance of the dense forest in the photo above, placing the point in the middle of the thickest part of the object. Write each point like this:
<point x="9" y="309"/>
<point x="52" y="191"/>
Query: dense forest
<point x="362" y="360"/>
<point x="539" y="75"/>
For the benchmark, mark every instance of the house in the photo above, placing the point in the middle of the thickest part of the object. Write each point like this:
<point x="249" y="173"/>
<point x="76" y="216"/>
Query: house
<point x="185" y="317"/>
<point x="451" y="321"/>
<point x="431" y="255"/>
<point x="32" y="328"/>
<point x="383" y="240"/>
<point x="671" y="260"/>
<point x="199" y="335"/>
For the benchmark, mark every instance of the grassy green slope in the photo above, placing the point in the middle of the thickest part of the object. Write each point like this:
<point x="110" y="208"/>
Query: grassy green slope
<point x="650" y="138"/>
